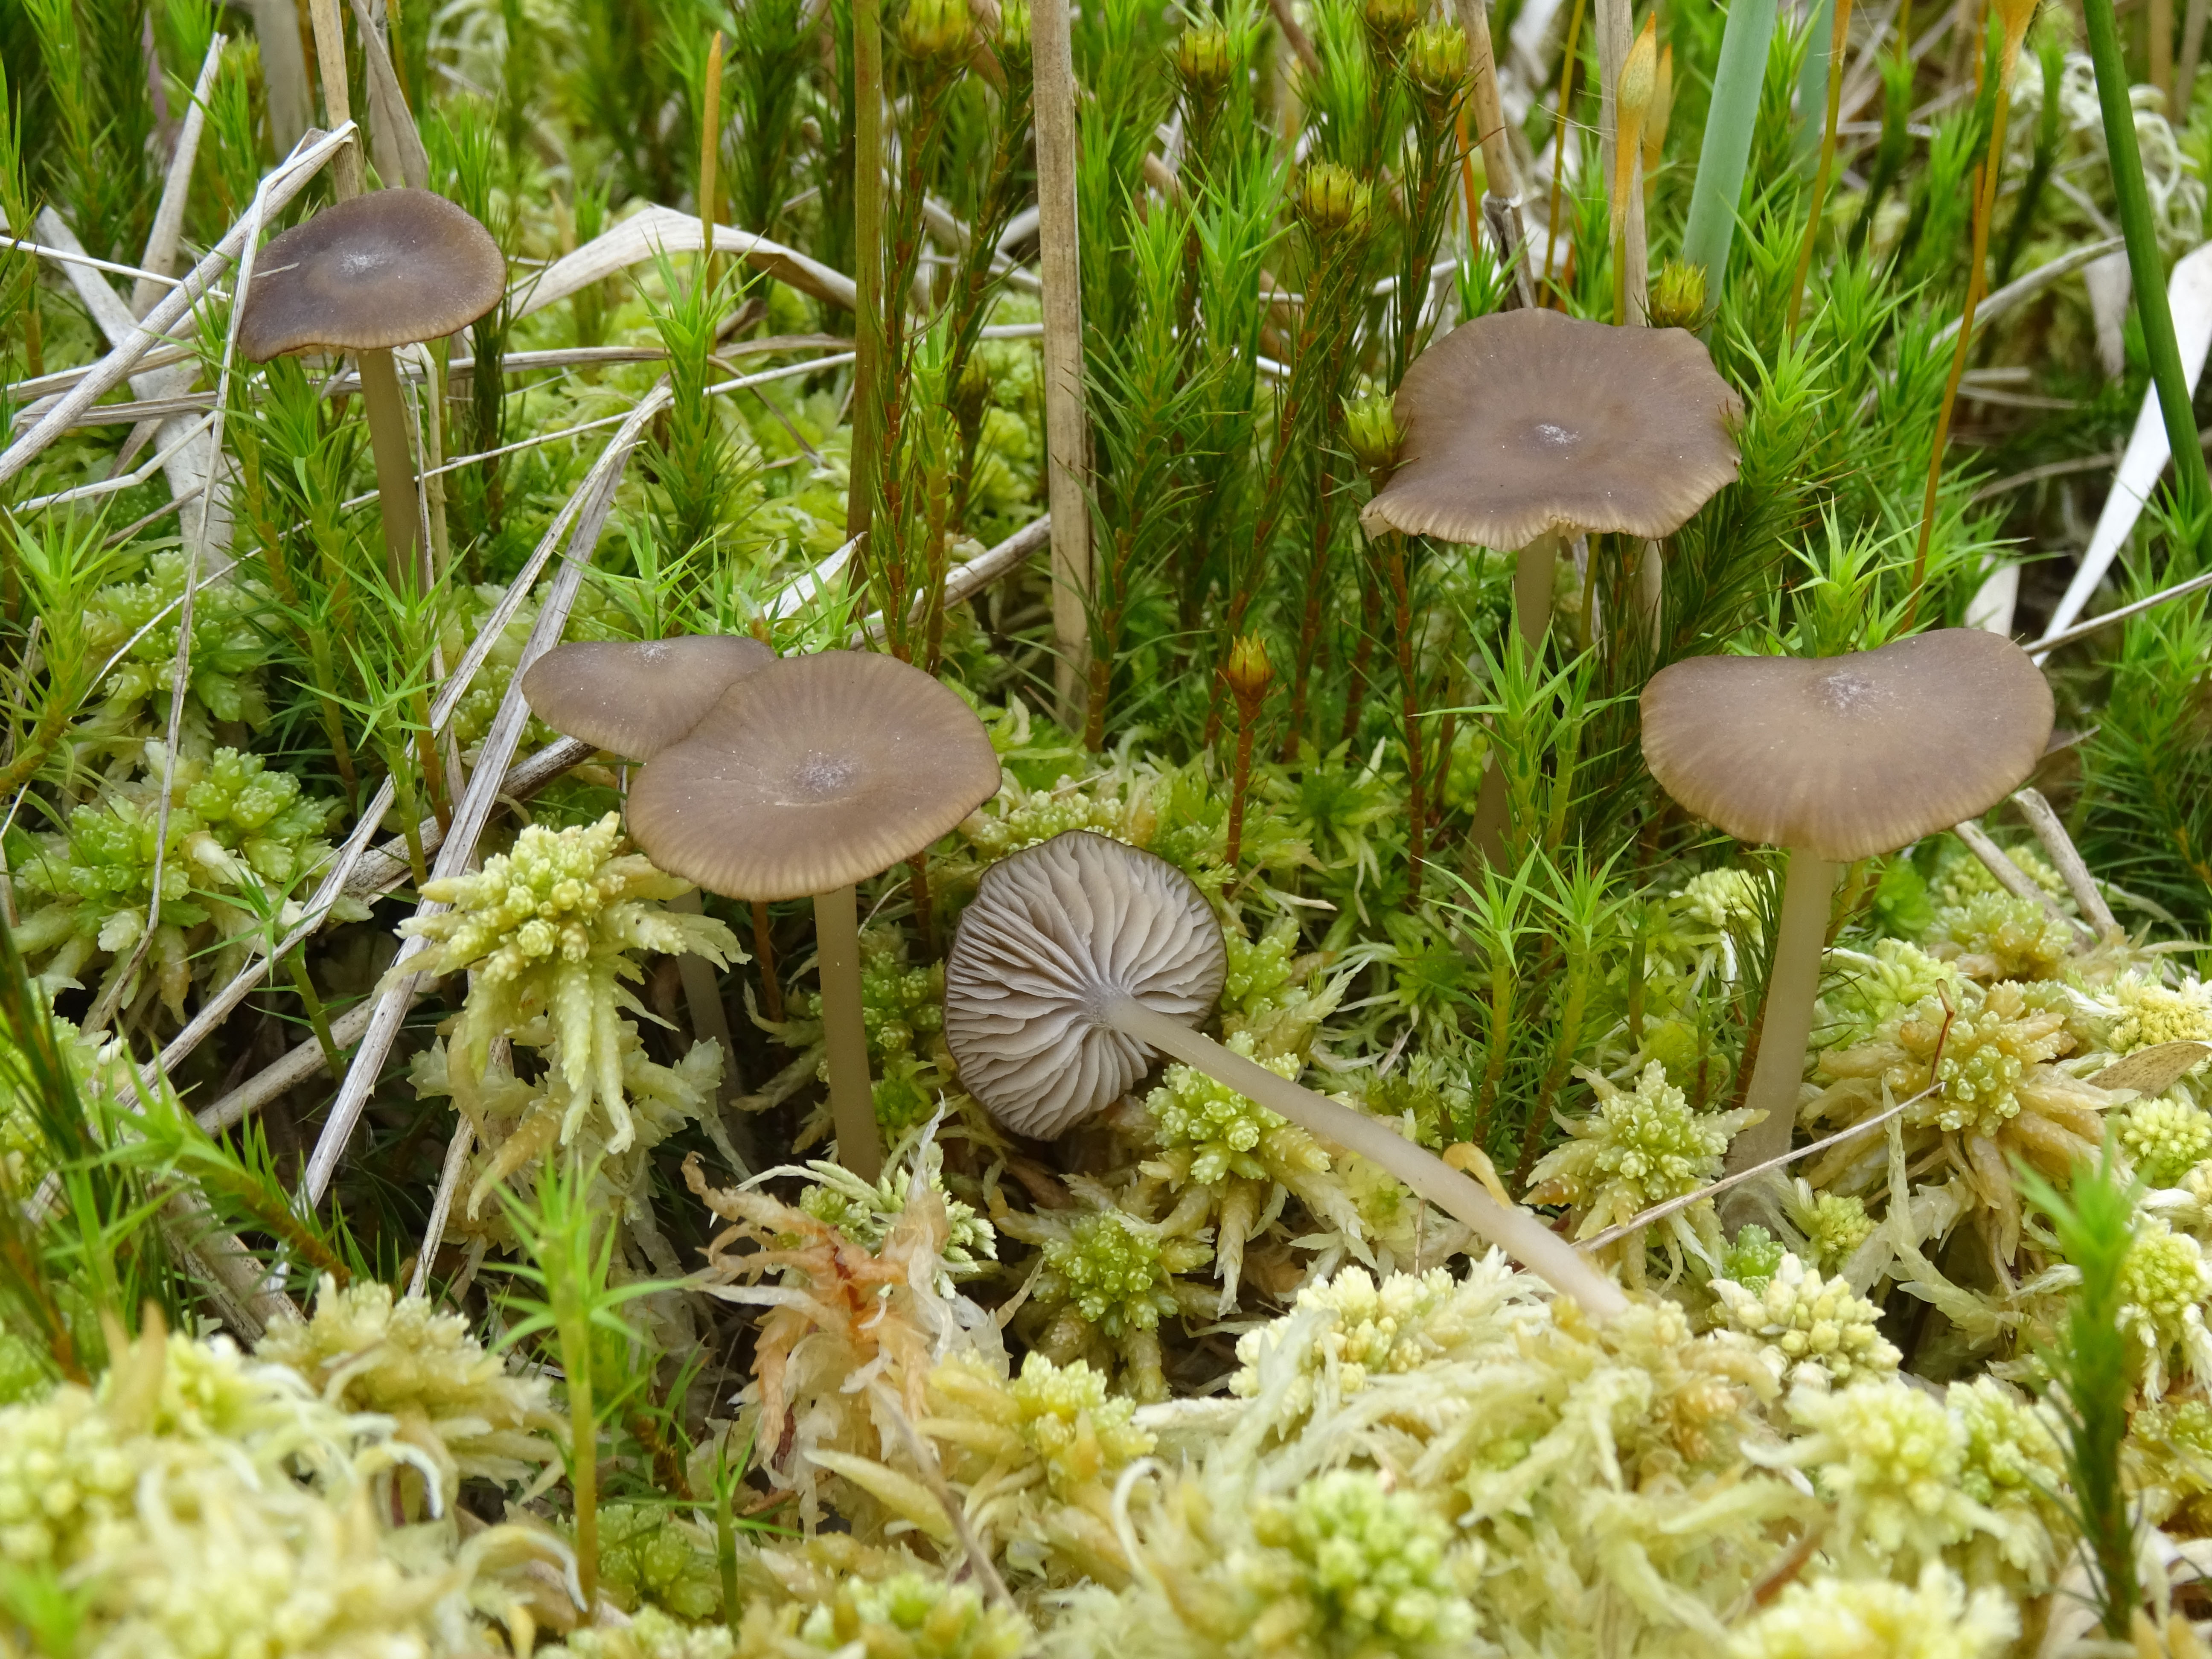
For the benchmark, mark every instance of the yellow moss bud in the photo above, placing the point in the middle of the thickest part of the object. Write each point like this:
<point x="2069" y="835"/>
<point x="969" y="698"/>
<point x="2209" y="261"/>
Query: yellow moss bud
<point x="935" y="28"/>
<point x="1331" y="199"/>
<point x="1204" y="58"/>
<point x="1678" y="296"/>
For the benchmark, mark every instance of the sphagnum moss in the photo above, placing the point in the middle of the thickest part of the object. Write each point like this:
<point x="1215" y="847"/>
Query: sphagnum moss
<point x="1174" y="1376"/>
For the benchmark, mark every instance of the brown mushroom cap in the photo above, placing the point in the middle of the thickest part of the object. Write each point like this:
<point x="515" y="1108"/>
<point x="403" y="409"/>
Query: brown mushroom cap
<point x="1053" y="934"/>
<point x="632" y="697"/>
<point x="386" y="268"/>
<point x="811" y="773"/>
<point x="1848" y="756"/>
<point x="1527" y="421"/>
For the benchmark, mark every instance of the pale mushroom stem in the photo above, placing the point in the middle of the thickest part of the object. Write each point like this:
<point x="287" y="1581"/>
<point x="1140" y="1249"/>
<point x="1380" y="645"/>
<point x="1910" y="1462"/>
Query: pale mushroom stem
<point x="852" y="1104"/>
<point x="1519" y="1234"/>
<point x="395" y="466"/>
<point x="1785" y="1028"/>
<point x="1534" y="569"/>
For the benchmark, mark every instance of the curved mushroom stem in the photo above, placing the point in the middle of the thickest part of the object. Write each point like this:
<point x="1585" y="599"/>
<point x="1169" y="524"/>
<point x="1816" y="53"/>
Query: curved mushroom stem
<point x="395" y="466"/>
<point x="1519" y="1234"/>
<point x="1787" y="1024"/>
<point x="852" y="1103"/>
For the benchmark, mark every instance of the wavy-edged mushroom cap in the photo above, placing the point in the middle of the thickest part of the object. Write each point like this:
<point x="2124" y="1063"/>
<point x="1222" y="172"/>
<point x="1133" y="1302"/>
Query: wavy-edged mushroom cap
<point x="1528" y="422"/>
<point x="634" y="698"/>
<point x="1053" y="935"/>
<point x="386" y="268"/>
<point x="811" y="773"/>
<point x="1848" y="756"/>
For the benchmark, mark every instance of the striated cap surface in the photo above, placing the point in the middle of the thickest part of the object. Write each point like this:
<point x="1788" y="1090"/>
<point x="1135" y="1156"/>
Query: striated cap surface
<point x="810" y="774"/>
<point x="386" y="268"/>
<point x="1524" y="423"/>
<point x="635" y="697"/>
<point x="1849" y="756"/>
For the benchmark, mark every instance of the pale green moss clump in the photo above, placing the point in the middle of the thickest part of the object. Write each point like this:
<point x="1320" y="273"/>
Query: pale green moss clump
<point x="1349" y="1567"/>
<point x="2151" y="1013"/>
<point x="1638" y="1149"/>
<point x="204" y="1503"/>
<point x="1876" y="1619"/>
<point x="240" y="839"/>
<point x="2165" y="1283"/>
<point x="1107" y="1269"/>
<point x="1891" y="1461"/>
<point x="550" y="928"/>
<point x="1211" y="1132"/>
<point x="866" y="1214"/>
<point x="1816" y="1326"/>
<point x="2165" y="1137"/>
<point x="1995" y="936"/>
<point x="365" y="1350"/>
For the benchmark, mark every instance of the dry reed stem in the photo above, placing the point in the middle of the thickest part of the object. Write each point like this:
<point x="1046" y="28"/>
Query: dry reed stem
<point x="1067" y="429"/>
<point x="330" y="63"/>
<point x="277" y="191"/>
<point x="176" y="188"/>
<point x="589" y="507"/>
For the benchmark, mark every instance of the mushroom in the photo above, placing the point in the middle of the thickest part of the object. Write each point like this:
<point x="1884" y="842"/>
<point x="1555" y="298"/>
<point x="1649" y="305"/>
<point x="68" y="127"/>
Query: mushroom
<point x="1080" y="956"/>
<point x="387" y="269"/>
<point x="635" y="697"/>
<point x="1524" y="429"/>
<point x="805" y="776"/>
<point x="1838" y="758"/>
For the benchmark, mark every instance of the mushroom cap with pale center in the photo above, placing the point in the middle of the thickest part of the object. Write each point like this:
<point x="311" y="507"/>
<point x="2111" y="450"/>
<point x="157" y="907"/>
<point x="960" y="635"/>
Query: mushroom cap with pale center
<point x="1525" y="423"/>
<point x="386" y="268"/>
<point x="810" y="774"/>
<point x="1054" y="935"/>
<point x="635" y="697"/>
<point x="1847" y="757"/>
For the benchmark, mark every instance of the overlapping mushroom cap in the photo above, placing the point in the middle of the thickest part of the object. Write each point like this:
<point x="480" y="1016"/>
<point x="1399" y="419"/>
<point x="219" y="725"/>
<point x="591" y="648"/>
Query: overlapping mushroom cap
<point x="1528" y="422"/>
<point x="635" y="697"/>
<point x="811" y="773"/>
<point x="386" y="268"/>
<point x="1848" y="756"/>
<point x="1053" y="934"/>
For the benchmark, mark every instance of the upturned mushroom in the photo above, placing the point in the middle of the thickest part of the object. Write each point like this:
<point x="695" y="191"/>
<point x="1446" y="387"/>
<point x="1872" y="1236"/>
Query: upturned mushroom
<point x="1080" y="957"/>
<point x="806" y="776"/>
<point x="635" y="697"/>
<point x="1524" y="429"/>
<point x="1838" y="758"/>
<point x="387" y="269"/>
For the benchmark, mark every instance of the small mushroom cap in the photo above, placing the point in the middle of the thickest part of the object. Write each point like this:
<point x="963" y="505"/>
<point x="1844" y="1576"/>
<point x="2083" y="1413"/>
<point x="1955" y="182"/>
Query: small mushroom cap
<point x="635" y="698"/>
<point x="1053" y="934"/>
<point x="1528" y="422"/>
<point x="810" y="774"/>
<point x="386" y="268"/>
<point x="1848" y="756"/>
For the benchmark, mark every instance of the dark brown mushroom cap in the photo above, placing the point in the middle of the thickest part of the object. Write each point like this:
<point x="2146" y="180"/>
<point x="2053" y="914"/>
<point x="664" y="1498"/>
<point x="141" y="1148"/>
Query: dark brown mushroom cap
<point x="811" y="774"/>
<point x="634" y="698"/>
<point x="386" y="268"/>
<point x="1848" y="756"/>
<point x="1527" y="421"/>
<point x="1053" y="934"/>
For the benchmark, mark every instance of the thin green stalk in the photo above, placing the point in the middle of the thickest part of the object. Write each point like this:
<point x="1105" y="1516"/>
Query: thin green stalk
<point x="296" y="965"/>
<point x="1838" y="39"/>
<point x="1726" y="148"/>
<point x="2094" y="1221"/>
<point x="2015" y="15"/>
<point x="2144" y="266"/>
<point x="867" y="264"/>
